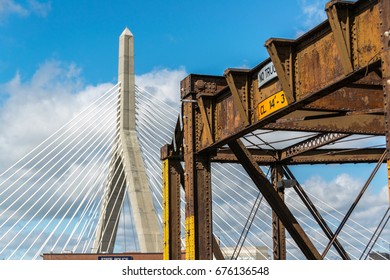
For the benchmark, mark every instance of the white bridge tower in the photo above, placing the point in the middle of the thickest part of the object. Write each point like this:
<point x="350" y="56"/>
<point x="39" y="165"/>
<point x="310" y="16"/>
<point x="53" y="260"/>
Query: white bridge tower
<point x="128" y="175"/>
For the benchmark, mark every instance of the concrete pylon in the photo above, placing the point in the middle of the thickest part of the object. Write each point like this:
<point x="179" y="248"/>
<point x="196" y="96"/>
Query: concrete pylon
<point x="130" y="161"/>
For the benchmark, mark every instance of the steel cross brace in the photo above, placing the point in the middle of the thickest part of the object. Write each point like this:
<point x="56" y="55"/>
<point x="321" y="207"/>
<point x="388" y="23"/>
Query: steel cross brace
<point x="273" y="199"/>
<point x="315" y="213"/>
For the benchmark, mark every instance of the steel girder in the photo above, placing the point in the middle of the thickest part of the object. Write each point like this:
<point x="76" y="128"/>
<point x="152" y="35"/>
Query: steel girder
<point x="334" y="80"/>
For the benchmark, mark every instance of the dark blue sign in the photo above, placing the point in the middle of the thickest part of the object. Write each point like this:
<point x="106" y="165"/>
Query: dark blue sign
<point x="114" y="258"/>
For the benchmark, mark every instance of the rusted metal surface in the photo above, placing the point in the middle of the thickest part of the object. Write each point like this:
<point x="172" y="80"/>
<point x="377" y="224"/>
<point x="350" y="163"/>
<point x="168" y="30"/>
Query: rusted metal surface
<point x="262" y="157"/>
<point x="203" y="211"/>
<point x="348" y="96"/>
<point x="172" y="174"/>
<point x="189" y="177"/>
<point x="329" y="156"/>
<point x="238" y="85"/>
<point x="330" y="122"/>
<point x="310" y="144"/>
<point x="339" y="20"/>
<point x="384" y="7"/>
<point x="197" y="180"/>
<point x="349" y="83"/>
<point x="355" y="97"/>
<point x="322" y="156"/>
<point x="278" y="230"/>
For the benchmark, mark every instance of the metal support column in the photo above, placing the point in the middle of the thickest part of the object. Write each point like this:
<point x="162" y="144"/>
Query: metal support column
<point x="203" y="202"/>
<point x="172" y="172"/>
<point x="385" y="35"/>
<point x="278" y="229"/>
<point x="197" y="184"/>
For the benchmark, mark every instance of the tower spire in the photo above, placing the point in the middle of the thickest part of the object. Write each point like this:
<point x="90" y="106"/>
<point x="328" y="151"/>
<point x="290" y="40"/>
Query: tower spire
<point x="134" y="181"/>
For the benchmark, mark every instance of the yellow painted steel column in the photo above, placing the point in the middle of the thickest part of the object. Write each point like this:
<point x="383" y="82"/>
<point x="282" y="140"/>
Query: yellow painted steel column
<point x="171" y="180"/>
<point x="388" y="178"/>
<point x="197" y="180"/>
<point x="165" y="176"/>
<point x="190" y="238"/>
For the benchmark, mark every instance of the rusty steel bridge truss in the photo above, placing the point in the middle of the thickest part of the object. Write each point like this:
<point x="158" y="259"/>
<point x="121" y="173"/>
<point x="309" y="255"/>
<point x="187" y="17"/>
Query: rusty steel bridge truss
<point x="334" y="81"/>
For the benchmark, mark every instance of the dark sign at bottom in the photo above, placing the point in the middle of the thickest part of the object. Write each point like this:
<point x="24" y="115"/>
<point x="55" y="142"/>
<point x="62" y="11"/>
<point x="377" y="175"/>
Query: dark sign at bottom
<point x="114" y="258"/>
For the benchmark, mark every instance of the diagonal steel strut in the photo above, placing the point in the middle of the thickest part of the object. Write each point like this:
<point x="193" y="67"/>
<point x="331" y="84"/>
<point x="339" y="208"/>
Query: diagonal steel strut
<point x="276" y="203"/>
<point x="317" y="216"/>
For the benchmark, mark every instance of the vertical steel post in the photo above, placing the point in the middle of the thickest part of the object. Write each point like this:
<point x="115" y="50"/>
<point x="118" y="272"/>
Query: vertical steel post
<point x="189" y="179"/>
<point x="278" y="230"/>
<point x="197" y="185"/>
<point x="203" y="202"/>
<point x="171" y="207"/>
<point x="385" y="36"/>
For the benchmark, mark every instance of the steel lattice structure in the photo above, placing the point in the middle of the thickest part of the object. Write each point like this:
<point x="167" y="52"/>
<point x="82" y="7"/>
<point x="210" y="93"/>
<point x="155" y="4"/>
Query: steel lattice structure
<point x="333" y="81"/>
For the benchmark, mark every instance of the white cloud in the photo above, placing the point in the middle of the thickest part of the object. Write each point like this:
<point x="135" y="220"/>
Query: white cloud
<point x="8" y="7"/>
<point x="35" y="107"/>
<point x="313" y="13"/>
<point x="164" y="84"/>
<point x="11" y="7"/>
<point x="56" y="92"/>
<point x="39" y="8"/>
<point x="333" y="197"/>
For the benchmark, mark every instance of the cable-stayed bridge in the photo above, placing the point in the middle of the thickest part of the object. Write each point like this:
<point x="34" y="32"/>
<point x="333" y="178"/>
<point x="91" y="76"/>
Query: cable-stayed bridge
<point x="51" y="198"/>
<point x="72" y="193"/>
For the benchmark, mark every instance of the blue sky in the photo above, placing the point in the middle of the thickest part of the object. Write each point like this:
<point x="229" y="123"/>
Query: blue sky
<point x="56" y="55"/>
<point x="203" y="36"/>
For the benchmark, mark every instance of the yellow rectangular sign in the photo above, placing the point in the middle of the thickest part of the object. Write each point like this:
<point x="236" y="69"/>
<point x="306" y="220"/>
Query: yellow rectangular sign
<point x="272" y="104"/>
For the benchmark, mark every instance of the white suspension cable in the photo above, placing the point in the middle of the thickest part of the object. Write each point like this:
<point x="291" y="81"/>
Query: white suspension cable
<point x="46" y="164"/>
<point x="122" y="172"/>
<point x="107" y="93"/>
<point x="61" y="218"/>
<point x="51" y="168"/>
<point x="92" y="202"/>
<point x="150" y="97"/>
<point x="59" y="188"/>
<point x="99" y="173"/>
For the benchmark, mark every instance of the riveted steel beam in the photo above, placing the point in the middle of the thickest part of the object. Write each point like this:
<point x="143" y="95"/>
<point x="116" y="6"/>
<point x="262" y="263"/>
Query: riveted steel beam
<point x="339" y="20"/>
<point x="205" y="108"/>
<point x="263" y="157"/>
<point x="330" y="122"/>
<point x="311" y="144"/>
<point x="197" y="183"/>
<point x="354" y="97"/>
<point x="384" y="7"/>
<point x="278" y="229"/>
<point x="321" y="156"/>
<point x="304" y="84"/>
<point x="281" y="53"/>
<point x="330" y="156"/>
<point x="345" y="97"/>
<point x="238" y="85"/>
<point x="172" y="174"/>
